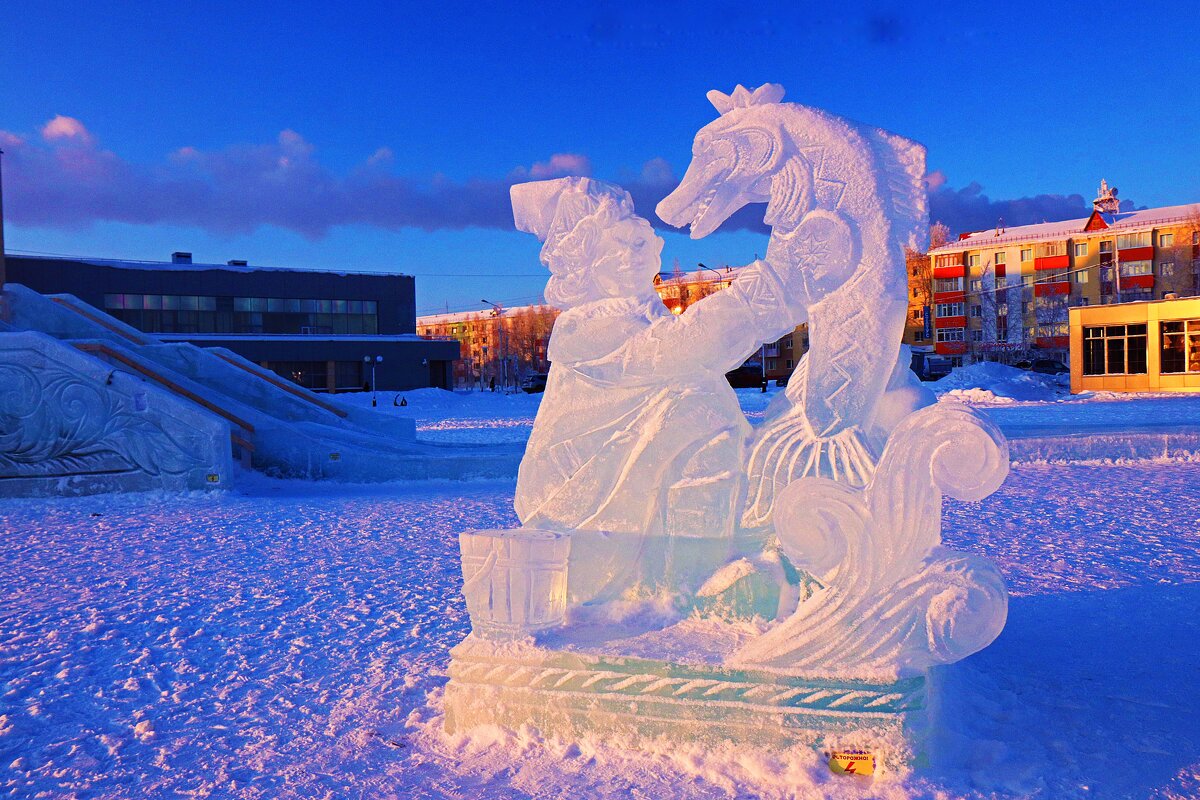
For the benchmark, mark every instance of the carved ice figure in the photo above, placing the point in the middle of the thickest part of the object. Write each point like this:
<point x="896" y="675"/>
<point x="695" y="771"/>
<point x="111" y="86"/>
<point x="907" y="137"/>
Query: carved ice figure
<point x="638" y="432"/>
<point x="842" y="199"/>
<point x="894" y="601"/>
<point x="639" y="450"/>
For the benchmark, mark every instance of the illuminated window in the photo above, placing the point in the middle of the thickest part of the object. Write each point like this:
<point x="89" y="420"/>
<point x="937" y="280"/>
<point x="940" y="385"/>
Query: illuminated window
<point x="1128" y="240"/>
<point x="1130" y="269"/>
<point x="950" y="334"/>
<point x="1180" y="346"/>
<point x="1081" y="249"/>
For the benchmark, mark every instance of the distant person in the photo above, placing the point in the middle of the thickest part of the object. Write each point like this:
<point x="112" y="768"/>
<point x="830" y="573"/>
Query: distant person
<point x="493" y="383"/>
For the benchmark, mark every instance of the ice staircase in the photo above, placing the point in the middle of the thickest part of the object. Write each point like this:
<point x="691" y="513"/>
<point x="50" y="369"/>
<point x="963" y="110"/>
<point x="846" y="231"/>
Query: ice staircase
<point x="273" y="425"/>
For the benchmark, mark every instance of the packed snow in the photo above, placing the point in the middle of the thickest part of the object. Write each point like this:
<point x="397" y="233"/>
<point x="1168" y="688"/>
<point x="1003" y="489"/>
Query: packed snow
<point x="988" y="382"/>
<point x="290" y="639"/>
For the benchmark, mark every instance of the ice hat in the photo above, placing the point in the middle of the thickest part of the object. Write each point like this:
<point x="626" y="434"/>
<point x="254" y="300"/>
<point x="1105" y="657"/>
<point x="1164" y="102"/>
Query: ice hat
<point x="551" y="209"/>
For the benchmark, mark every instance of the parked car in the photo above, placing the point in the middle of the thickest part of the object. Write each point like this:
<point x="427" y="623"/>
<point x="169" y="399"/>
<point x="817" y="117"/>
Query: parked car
<point x="534" y="384"/>
<point x="745" y="377"/>
<point x="930" y="367"/>
<point x="1048" y="366"/>
<point x="1023" y="364"/>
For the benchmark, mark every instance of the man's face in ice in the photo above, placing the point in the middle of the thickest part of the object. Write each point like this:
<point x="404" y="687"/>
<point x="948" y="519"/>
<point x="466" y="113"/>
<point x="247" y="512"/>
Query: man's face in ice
<point x="628" y="259"/>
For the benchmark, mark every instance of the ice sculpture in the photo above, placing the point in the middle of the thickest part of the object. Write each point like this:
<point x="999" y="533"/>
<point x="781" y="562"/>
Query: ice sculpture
<point x="679" y="574"/>
<point x="841" y="199"/>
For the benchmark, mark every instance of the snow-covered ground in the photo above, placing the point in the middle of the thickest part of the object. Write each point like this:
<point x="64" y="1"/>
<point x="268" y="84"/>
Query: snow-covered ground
<point x="290" y="639"/>
<point x="1048" y="408"/>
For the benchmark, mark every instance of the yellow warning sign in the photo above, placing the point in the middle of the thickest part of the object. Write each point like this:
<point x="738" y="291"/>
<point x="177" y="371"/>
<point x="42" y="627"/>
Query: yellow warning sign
<point x="851" y="762"/>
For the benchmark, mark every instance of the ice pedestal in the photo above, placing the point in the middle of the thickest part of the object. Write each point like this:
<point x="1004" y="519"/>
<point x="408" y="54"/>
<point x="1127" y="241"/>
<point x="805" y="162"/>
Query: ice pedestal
<point x="575" y="688"/>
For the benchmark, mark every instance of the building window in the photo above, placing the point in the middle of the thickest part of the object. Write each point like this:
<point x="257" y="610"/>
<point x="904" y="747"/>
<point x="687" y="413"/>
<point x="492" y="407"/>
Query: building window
<point x="998" y="258"/>
<point x="1166" y="268"/>
<point x="949" y="309"/>
<point x="1130" y="269"/>
<point x="1128" y="240"/>
<point x="1166" y="240"/>
<point x="1195" y="237"/>
<point x="1050" y="329"/>
<point x="977" y="311"/>
<point x="976" y="336"/>
<point x="947" y="285"/>
<point x="1001" y="281"/>
<point x="973" y="260"/>
<point x="1082" y="276"/>
<point x="950" y="334"/>
<point x="1114" y="350"/>
<point x="976" y="284"/>
<point x="789" y="363"/>
<point x="1080" y="249"/>
<point x="1181" y="346"/>
<point x="1027" y="280"/>
<point x="1027" y="254"/>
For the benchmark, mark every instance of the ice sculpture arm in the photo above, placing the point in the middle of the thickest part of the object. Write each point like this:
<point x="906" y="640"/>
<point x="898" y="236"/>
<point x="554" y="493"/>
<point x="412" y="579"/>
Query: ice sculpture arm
<point x="714" y="335"/>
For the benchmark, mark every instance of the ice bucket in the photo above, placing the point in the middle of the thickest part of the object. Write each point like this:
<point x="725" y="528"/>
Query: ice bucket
<point x="514" y="580"/>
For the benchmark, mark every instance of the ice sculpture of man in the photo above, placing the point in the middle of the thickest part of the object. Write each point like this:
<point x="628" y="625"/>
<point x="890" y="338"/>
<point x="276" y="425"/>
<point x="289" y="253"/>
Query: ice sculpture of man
<point x="638" y="431"/>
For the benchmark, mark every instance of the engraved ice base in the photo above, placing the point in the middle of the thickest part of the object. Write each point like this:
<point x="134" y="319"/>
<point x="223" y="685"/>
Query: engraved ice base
<point x="573" y="693"/>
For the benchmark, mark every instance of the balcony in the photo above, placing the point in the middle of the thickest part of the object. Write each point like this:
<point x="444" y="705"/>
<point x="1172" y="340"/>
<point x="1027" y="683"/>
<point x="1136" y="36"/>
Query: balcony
<point x="956" y="271"/>
<point x="1051" y="262"/>
<point x="1137" y="254"/>
<point x="1052" y="289"/>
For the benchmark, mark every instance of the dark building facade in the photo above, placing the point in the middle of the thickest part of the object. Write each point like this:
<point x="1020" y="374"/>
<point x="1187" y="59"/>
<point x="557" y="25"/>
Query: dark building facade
<point x="322" y="329"/>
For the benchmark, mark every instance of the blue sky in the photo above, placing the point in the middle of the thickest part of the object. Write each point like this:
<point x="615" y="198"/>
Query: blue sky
<point x="382" y="135"/>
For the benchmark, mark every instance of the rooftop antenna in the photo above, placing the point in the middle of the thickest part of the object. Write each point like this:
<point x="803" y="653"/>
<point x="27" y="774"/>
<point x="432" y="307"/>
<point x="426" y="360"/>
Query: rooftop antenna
<point x="1106" y="201"/>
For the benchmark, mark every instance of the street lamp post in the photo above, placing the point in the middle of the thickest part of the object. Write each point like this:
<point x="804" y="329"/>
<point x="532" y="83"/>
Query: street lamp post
<point x="498" y="313"/>
<point x="373" y="361"/>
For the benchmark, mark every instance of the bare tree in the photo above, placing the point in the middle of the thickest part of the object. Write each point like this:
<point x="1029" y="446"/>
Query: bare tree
<point x="919" y="266"/>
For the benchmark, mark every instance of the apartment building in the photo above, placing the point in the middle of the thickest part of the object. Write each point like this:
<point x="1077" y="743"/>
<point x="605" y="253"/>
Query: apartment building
<point x="1004" y="294"/>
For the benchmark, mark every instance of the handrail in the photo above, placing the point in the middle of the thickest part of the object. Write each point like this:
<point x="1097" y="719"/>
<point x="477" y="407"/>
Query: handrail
<point x="106" y="324"/>
<point x="116" y="355"/>
<point x="284" y="385"/>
